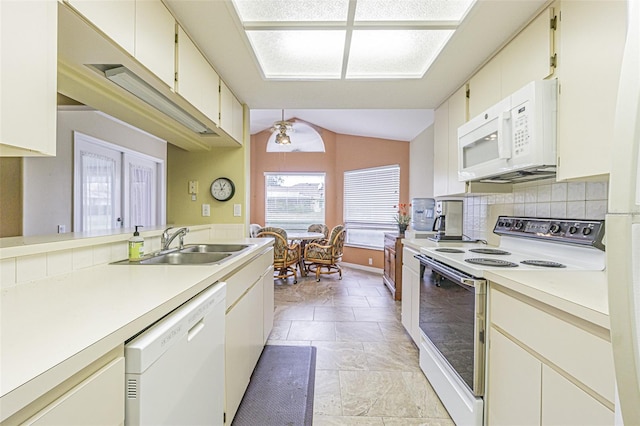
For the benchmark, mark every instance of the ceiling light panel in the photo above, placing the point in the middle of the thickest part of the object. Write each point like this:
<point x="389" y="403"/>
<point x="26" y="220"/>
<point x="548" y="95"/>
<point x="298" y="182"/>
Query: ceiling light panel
<point x="299" y="54"/>
<point x="411" y="10"/>
<point x="394" y="53"/>
<point x="292" y="10"/>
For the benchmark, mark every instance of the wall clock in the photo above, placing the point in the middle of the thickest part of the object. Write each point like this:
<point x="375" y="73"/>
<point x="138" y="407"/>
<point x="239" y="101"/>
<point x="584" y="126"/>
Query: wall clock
<point x="223" y="189"/>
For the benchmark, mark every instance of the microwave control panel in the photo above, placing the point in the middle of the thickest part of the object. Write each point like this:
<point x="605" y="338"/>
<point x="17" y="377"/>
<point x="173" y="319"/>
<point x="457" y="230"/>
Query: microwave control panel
<point x="521" y="132"/>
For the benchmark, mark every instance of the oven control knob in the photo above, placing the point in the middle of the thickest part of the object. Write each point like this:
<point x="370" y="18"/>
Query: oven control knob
<point x="519" y="225"/>
<point x="501" y="224"/>
<point x="573" y="229"/>
<point x="554" y="229"/>
<point x="586" y="231"/>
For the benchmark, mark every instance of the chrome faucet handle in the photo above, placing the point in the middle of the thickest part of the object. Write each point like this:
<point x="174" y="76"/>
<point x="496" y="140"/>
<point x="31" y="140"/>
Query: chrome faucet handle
<point x="165" y="236"/>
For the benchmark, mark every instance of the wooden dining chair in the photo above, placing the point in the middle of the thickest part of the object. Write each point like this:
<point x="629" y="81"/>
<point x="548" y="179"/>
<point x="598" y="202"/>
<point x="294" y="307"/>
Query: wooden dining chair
<point x="323" y="257"/>
<point x="286" y="257"/>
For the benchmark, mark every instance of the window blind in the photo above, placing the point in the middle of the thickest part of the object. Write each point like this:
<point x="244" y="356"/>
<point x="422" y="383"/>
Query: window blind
<point x="371" y="195"/>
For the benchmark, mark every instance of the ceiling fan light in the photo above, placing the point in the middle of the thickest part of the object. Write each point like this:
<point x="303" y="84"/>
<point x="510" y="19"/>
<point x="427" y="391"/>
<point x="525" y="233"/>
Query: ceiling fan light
<point x="283" y="139"/>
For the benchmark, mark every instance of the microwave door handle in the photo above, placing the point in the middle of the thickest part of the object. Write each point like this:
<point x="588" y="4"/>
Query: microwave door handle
<point x="504" y="140"/>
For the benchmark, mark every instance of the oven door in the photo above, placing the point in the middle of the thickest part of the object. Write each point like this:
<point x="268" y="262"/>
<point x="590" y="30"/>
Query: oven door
<point x="452" y="318"/>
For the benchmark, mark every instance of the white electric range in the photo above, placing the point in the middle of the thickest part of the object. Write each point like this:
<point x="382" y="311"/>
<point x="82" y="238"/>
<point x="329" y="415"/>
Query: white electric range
<point x="453" y="297"/>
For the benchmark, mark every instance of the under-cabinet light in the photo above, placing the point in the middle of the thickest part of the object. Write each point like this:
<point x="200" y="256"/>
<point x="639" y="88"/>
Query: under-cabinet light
<point x="133" y="84"/>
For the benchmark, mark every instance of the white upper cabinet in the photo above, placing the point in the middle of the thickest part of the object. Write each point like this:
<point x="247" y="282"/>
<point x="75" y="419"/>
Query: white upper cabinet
<point x="231" y="113"/>
<point x="197" y="81"/>
<point x="448" y="117"/>
<point x="155" y="31"/>
<point x="526" y="58"/>
<point x="28" y="81"/>
<point x="115" y="18"/>
<point x="591" y="37"/>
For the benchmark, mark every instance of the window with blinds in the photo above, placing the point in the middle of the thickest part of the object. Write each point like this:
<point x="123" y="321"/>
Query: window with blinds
<point x="294" y="200"/>
<point x="371" y="197"/>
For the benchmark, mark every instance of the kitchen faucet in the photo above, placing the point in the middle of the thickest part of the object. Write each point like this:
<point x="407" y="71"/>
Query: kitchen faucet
<point x="167" y="238"/>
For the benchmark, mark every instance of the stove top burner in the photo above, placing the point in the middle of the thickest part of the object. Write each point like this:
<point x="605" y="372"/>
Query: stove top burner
<point x="543" y="263"/>
<point x="491" y="262"/>
<point x="489" y="251"/>
<point x="449" y="250"/>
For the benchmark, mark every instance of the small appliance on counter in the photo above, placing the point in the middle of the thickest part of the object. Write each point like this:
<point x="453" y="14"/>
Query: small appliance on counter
<point x="423" y="215"/>
<point x="448" y="222"/>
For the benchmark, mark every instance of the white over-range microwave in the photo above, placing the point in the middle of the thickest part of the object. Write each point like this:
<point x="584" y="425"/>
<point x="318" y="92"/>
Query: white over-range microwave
<point x="514" y="140"/>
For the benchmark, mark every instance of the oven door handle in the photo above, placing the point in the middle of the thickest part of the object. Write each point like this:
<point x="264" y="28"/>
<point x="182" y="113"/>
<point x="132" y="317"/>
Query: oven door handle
<point x="453" y="274"/>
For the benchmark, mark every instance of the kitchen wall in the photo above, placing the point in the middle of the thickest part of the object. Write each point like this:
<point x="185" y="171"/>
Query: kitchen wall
<point x="342" y="153"/>
<point x="421" y="165"/>
<point x="571" y="200"/>
<point x="48" y="182"/>
<point x="10" y="196"/>
<point x="203" y="167"/>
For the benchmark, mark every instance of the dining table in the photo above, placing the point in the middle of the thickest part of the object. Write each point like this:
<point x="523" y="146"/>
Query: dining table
<point x="303" y="238"/>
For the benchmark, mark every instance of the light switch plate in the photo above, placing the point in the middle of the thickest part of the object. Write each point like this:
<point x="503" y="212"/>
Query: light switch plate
<point x="237" y="209"/>
<point x="206" y="210"/>
<point x="193" y="187"/>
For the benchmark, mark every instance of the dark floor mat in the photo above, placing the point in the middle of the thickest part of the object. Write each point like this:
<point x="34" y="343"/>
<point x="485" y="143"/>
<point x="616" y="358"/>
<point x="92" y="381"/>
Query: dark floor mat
<point x="281" y="388"/>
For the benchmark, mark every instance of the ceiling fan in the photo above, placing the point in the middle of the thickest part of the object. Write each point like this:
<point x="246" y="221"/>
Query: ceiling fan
<point x="282" y="127"/>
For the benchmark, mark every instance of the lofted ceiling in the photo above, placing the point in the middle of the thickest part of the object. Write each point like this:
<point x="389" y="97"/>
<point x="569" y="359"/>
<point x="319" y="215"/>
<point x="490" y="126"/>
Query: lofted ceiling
<point x="385" y="108"/>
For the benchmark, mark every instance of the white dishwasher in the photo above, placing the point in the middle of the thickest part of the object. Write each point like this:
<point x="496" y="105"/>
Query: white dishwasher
<point x="175" y="369"/>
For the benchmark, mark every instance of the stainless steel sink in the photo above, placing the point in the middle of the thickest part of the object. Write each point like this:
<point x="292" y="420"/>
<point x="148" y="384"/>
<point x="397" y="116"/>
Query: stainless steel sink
<point x="193" y="254"/>
<point x="214" y="248"/>
<point x="182" y="258"/>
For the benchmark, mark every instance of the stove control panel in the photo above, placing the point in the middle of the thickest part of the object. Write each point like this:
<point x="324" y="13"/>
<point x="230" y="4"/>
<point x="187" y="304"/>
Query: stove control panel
<point x="582" y="232"/>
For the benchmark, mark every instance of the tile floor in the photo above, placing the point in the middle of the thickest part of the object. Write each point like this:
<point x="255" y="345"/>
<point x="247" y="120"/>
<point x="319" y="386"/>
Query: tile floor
<point x="367" y="370"/>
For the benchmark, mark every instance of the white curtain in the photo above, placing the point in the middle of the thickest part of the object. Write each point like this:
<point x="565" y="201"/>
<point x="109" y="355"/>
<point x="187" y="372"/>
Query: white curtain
<point x="141" y="189"/>
<point x="99" y="176"/>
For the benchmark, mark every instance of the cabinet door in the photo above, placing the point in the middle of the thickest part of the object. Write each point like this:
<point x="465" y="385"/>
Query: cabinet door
<point x="564" y="403"/>
<point x="441" y="150"/>
<point x="98" y="400"/>
<point x="231" y="113"/>
<point x="457" y="117"/>
<point x="244" y="336"/>
<point x="484" y="88"/>
<point x="197" y="82"/>
<point x="528" y="56"/>
<point x="591" y="37"/>
<point x="28" y="81"/>
<point x="514" y="383"/>
<point x="411" y="302"/>
<point x="268" y="303"/>
<point x="114" y="18"/>
<point x="155" y="45"/>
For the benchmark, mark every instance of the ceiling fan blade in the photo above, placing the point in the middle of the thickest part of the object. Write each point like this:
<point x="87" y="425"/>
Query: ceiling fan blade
<point x="313" y="126"/>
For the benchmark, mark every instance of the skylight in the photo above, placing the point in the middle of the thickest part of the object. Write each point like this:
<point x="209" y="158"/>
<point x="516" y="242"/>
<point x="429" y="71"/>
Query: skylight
<point x="342" y="39"/>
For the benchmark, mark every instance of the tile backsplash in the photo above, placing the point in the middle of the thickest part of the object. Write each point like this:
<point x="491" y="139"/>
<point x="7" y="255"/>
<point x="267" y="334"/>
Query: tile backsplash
<point x="575" y="200"/>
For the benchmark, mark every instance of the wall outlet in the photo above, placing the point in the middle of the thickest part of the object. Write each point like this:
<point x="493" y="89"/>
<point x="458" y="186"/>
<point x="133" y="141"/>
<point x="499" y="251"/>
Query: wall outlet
<point x="237" y="209"/>
<point x="62" y="229"/>
<point x="206" y="210"/>
<point x="370" y="261"/>
<point x="193" y="187"/>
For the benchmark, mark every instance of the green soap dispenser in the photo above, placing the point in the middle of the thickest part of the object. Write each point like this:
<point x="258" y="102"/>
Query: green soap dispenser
<point x="136" y="245"/>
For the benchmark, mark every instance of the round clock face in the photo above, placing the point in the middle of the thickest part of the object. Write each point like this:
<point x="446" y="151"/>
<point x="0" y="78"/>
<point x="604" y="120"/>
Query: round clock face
<point x="222" y="189"/>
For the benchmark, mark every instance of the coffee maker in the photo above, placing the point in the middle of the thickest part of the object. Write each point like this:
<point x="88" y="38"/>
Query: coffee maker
<point x="448" y="223"/>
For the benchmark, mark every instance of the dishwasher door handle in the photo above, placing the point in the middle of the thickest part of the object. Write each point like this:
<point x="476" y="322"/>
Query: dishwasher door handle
<point x="193" y="331"/>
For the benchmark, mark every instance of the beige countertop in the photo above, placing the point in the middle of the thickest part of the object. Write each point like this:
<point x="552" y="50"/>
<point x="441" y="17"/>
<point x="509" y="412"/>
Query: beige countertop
<point x="52" y="327"/>
<point x="579" y="293"/>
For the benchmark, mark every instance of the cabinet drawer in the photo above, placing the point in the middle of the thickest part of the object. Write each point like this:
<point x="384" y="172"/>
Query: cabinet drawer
<point x="583" y="355"/>
<point x="97" y="400"/>
<point x="239" y="282"/>
<point x="409" y="261"/>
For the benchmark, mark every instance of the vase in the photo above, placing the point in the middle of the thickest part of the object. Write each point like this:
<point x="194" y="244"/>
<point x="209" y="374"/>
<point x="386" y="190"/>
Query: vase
<point x="401" y="228"/>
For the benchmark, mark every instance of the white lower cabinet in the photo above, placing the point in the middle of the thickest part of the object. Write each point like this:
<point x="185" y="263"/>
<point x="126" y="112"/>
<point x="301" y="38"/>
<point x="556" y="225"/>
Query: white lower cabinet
<point x="411" y="293"/>
<point x="248" y="322"/>
<point x="514" y="382"/>
<point x="545" y="367"/>
<point x="97" y="400"/>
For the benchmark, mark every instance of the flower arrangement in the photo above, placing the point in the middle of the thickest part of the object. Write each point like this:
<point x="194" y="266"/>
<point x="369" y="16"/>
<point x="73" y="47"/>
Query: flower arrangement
<point x="403" y="217"/>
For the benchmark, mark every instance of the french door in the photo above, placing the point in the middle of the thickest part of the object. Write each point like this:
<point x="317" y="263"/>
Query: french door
<point x="113" y="187"/>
